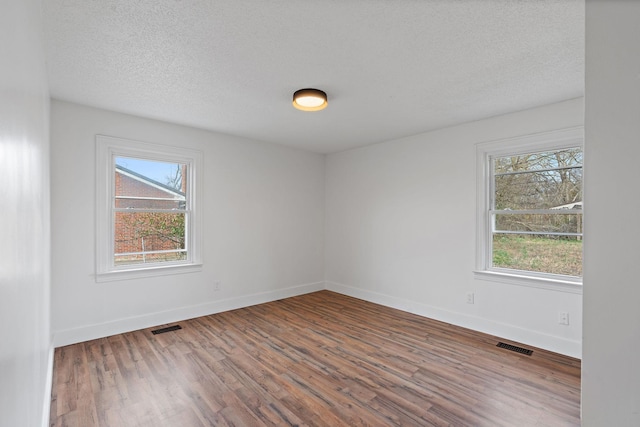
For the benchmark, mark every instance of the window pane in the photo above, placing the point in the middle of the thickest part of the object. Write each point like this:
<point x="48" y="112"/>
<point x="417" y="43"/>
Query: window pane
<point x="538" y="161"/>
<point x="143" y="232"/>
<point x="145" y="237"/>
<point x="538" y="190"/>
<point x="149" y="179"/>
<point x="546" y="254"/>
<point x="542" y="223"/>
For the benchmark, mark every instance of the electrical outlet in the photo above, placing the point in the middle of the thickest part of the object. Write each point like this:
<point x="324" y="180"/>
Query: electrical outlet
<point x="563" y="318"/>
<point x="470" y="298"/>
<point x="216" y="285"/>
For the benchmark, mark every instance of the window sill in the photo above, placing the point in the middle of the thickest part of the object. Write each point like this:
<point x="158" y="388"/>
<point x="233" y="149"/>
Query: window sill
<point x="558" y="285"/>
<point x="155" y="271"/>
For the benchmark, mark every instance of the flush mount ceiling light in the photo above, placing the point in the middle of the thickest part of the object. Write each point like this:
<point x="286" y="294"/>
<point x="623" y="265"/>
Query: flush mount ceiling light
<point x="309" y="100"/>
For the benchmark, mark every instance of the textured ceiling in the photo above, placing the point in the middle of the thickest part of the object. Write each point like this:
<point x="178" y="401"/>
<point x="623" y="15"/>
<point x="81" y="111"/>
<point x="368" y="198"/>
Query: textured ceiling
<point x="390" y="68"/>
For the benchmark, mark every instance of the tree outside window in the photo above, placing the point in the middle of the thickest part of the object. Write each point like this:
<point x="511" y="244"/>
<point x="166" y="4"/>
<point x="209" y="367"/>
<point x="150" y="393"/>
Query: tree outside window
<point x="536" y="211"/>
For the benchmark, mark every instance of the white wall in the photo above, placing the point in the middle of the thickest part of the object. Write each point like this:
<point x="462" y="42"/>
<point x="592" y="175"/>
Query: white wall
<point x="25" y="340"/>
<point x="263" y="227"/>
<point x="611" y="364"/>
<point x="400" y="230"/>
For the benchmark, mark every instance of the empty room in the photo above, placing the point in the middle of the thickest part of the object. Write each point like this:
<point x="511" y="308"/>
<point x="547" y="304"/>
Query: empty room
<point x="319" y="213"/>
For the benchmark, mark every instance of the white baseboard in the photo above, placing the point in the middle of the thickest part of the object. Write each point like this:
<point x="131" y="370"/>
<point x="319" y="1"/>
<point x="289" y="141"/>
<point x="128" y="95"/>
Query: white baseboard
<point x="90" y="332"/>
<point x="506" y="331"/>
<point x="525" y="336"/>
<point x="48" y="386"/>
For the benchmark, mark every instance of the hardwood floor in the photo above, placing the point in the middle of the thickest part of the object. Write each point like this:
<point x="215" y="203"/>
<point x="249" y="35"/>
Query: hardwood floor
<point x="321" y="359"/>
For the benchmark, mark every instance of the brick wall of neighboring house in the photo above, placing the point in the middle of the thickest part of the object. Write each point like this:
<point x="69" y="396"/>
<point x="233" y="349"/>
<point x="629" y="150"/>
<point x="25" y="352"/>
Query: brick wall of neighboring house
<point x="131" y="231"/>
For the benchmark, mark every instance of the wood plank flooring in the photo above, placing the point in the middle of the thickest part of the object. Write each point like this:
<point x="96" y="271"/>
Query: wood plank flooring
<point x="321" y="359"/>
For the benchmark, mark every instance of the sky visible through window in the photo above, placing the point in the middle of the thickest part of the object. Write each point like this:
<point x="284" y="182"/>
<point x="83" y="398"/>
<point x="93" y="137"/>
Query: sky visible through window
<point x="156" y="170"/>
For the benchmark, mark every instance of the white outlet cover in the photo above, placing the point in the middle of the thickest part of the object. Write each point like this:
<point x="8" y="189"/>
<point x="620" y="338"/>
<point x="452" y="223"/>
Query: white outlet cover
<point x="470" y="298"/>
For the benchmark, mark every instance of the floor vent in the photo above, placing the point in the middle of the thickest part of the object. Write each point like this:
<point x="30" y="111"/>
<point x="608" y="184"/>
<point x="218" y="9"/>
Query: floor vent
<point x="167" y="329"/>
<point x="515" y="348"/>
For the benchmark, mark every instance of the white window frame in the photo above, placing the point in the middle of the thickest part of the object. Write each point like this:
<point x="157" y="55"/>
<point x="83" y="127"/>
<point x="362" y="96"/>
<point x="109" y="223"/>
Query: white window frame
<point x="547" y="141"/>
<point x="107" y="149"/>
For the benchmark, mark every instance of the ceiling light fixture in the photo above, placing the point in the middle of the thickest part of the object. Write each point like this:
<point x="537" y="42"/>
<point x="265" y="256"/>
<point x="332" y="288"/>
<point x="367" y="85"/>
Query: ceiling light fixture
<point x="309" y="99"/>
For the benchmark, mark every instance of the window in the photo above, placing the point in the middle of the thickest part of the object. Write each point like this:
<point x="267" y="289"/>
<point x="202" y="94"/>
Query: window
<point x="147" y="216"/>
<point x="530" y="207"/>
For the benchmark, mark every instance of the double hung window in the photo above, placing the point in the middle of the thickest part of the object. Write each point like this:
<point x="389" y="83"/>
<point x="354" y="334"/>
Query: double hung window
<point x="531" y="206"/>
<point x="148" y="221"/>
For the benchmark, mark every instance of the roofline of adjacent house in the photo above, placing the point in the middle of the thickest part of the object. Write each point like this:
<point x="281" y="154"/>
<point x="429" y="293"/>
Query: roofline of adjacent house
<point x="149" y="180"/>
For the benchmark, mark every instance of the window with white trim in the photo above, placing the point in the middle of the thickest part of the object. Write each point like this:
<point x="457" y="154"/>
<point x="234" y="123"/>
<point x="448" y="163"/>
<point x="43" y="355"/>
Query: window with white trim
<point x="147" y="209"/>
<point x="530" y="206"/>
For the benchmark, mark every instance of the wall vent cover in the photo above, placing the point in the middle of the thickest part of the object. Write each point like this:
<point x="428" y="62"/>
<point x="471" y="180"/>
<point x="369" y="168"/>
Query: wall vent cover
<point x="515" y="348"/>
<point x="167" y="329"/>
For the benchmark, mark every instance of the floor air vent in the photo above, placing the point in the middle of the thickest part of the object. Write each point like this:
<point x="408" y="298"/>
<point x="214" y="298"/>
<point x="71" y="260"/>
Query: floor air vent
<point x="515" y="348"/>
<point x="167" y="329"/>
